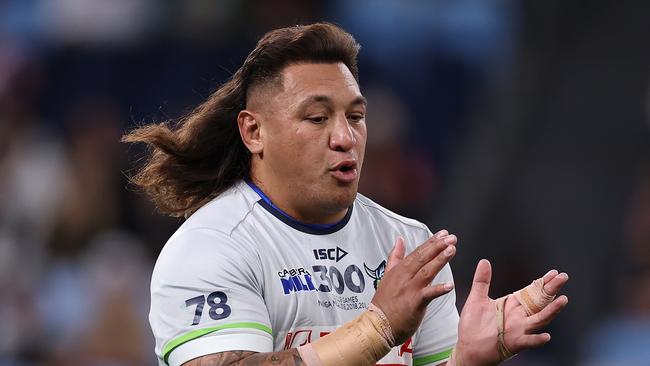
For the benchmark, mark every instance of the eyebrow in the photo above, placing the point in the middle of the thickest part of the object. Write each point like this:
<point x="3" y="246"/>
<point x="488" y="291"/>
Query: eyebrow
<point x="360" y="100"/>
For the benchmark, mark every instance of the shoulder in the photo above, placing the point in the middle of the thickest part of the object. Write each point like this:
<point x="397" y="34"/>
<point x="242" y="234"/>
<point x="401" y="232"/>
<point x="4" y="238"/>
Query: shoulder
<point x="224" y="213"/>
<point x="203" y="253"/>
<point x="374" y="211"/>
<point x="206" y="237"/>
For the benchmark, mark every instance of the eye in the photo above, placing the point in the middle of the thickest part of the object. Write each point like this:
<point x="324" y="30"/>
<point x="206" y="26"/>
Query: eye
<point x="356" y="117"/>
<point x="317" y="119"/>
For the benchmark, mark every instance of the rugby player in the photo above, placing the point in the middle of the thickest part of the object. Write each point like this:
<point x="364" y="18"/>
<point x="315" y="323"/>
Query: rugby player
<point x="280" y="260"/>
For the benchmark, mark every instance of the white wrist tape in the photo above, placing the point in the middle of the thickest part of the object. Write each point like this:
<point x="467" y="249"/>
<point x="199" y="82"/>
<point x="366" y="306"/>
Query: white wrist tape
<point x="361" y="341"/>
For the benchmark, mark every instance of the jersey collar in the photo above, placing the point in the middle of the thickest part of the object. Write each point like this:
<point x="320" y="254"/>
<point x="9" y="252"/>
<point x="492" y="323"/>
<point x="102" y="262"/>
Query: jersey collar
<point x="316" y="229"/>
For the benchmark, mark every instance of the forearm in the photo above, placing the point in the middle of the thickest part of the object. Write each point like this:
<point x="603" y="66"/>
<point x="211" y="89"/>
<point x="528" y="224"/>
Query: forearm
<point x="360" y="342"/>
<point x="242" y="358"/>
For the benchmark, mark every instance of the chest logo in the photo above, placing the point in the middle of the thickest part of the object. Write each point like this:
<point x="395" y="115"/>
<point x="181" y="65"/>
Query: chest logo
<point x="331" y="254"/>
<point x="377" y="273"/>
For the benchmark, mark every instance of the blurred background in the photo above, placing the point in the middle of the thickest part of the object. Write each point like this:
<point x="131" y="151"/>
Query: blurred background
<point x="521" y="126"/>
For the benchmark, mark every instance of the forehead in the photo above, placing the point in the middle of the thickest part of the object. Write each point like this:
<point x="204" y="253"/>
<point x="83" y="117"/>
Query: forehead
<point x="331" y="79"/>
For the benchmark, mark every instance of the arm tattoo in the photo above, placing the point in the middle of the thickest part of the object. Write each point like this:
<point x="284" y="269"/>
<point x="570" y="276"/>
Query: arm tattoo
<point x="246" y="358"/>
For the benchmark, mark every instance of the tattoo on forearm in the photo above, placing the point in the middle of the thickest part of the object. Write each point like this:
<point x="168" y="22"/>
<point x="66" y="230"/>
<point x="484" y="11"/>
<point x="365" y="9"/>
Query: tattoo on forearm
<point x="284" y="358"/>
<point x="245" y="358"/>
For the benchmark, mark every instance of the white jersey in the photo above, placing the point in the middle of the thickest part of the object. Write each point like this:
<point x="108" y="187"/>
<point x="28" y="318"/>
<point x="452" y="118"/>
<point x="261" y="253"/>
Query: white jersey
<point x="240" y="274"/>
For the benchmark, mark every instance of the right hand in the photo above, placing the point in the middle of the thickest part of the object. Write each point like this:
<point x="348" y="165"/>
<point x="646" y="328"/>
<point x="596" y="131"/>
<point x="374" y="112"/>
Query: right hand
<point x="477" y="329"/>
<point x="405" y="290"/>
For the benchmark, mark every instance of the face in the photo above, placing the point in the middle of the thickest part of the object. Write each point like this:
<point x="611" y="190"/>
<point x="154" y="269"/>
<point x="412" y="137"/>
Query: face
<point x="311" y="141"/>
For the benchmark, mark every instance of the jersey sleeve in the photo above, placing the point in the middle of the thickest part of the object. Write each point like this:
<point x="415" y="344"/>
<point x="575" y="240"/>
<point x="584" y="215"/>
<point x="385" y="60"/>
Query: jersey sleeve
<point x="206" y="298"/>
<point x="438" y="333"/>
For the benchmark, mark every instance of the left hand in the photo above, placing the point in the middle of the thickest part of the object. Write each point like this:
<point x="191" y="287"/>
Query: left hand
<point x="477" y="330"/>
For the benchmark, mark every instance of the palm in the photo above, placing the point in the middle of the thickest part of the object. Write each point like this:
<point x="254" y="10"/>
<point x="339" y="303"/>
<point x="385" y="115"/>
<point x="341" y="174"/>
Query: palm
<point x="478" y="330"/>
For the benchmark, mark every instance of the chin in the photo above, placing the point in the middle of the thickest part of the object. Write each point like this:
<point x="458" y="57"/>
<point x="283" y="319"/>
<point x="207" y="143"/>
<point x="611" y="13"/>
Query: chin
<point x="343" y="197"/>
<point x="332" y="198"/>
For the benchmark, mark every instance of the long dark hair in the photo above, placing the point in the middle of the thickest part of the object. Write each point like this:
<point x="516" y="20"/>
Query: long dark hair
<point x="195" y="159"/>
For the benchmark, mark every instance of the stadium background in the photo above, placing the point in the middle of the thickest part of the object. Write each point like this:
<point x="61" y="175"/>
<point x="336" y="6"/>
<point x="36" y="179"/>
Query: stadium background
<point x="522" y="126"/>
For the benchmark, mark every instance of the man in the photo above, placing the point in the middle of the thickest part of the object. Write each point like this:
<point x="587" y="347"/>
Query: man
<point x="280" y="260"/>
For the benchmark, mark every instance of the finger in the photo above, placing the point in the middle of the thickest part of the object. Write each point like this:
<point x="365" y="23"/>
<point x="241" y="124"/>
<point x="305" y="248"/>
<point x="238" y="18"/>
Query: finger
<point x="481" y="282"/>
<point x="554" y="285"/>
<point x="431" y="269"/>
<point x="550" y="275"/>
<point x="431" y="292"/>
<point x="428" y="250"/>
<point x="531" y="340"/>
<point x="441" y="233"/>
<point x="397" y="254"/>
<point x="544" y="317"/>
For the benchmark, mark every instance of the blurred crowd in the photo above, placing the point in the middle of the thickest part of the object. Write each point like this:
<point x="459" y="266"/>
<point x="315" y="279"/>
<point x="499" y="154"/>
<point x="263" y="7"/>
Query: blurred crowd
<point x="77" y="243"/>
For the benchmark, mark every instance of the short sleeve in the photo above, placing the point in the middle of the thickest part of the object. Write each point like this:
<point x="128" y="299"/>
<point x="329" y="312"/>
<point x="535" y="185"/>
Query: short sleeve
<point x="438" y="333"/>
<point x="206" y="298"/>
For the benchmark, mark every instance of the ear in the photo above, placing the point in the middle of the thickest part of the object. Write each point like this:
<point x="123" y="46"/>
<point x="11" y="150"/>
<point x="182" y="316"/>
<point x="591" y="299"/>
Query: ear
<point x="250" y="131"/>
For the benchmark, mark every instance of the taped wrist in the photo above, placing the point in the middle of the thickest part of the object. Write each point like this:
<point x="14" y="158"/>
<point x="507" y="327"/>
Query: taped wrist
<point x="361" y="341"/>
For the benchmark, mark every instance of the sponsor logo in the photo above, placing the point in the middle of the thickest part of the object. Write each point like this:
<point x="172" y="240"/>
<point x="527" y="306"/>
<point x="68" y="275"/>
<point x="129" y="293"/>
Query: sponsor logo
<point x="297" y="338"/>
<point x="296" y="280"/>
<point x="323" y="279"/>
<point x="333" y="254"/>
<point x="376" y="274"/>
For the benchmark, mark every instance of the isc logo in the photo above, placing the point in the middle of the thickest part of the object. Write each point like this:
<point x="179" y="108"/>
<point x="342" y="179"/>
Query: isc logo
<point x="331" y="254"/>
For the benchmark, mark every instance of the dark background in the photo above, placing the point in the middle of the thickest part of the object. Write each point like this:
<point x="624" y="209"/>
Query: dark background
<point x="521" y="126"/>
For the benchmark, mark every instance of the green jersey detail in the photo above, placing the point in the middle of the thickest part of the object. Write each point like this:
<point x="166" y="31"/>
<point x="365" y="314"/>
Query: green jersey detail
<point x="419" y="361"/>
<point x="174" y="343"/>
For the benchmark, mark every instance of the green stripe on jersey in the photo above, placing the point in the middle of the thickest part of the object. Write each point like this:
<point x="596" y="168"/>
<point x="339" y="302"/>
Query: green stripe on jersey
<point x="419" y="361"/>
<point x="169" y="347"/>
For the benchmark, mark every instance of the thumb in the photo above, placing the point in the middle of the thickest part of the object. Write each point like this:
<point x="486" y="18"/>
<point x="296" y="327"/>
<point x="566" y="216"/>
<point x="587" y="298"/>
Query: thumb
<point x="397" y="254"/>
<point x="482" y="278"/>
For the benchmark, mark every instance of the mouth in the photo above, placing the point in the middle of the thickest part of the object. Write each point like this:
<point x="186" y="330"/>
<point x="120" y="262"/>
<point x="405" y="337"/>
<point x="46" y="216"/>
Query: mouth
<point x="345" y="171"/>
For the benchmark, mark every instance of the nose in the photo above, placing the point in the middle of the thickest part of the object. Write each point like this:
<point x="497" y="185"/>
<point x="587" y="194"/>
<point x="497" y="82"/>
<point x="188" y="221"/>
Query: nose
<point x="341" y="136"/>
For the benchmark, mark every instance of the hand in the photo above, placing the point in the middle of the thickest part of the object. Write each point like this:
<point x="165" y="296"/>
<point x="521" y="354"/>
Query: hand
<point x="405" y="291"/>
<point x="477" y="331"/>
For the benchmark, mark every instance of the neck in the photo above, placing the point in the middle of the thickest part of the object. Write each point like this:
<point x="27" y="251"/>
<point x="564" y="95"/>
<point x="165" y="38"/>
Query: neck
<point x="281" y="200"/>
